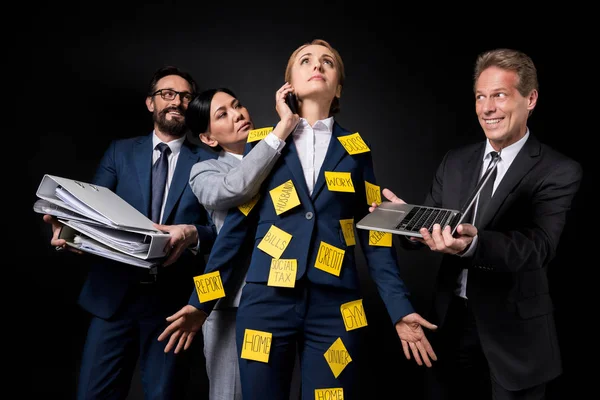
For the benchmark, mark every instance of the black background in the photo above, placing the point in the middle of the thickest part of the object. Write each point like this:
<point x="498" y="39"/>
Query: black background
<point x="408" y="91"/>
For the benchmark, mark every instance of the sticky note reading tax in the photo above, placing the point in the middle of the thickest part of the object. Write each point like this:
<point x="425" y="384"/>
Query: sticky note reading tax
<point x="283" y="272"/>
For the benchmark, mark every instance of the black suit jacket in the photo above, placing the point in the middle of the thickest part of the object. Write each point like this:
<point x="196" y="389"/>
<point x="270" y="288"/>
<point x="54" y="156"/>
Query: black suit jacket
<point x="518" y="236"/>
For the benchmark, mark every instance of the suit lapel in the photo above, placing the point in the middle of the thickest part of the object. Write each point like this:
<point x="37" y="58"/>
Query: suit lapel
<point x="142" y="156"/>
<point x="522" y="164"/>
<point x="292" y="161"/>
<point x="180" y="179"/>
<point x="473" y="166"/>
<point x="335" y="152"/>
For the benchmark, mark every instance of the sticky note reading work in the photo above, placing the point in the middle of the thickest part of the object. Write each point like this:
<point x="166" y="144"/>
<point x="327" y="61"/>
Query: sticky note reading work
<point x="283" y="272"/>
<point x="353" y="314"/>
<point x="284" y="197"/>
<point x="258" y="134"/>
<point x="339" y="181"/>
<point x="337" y="357"/>
<point x="209" y="286"/>
<point x="256" y="345"/>
<point x="354" y="144"/>
<point x="330" y="259"/>
<point x="275" y="242"/>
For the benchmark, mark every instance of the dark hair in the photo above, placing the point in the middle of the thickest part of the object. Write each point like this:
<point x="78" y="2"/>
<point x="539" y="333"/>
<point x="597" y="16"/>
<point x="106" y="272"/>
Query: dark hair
<point x="171" y="70"/>
<point x="197" y="115"/>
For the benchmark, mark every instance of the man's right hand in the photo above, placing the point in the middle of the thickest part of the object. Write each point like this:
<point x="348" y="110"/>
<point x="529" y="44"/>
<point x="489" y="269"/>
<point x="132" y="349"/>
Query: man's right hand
<point x="390" y="196"/>
<point x="59" y="244"/>
<point x="185" y="323"/>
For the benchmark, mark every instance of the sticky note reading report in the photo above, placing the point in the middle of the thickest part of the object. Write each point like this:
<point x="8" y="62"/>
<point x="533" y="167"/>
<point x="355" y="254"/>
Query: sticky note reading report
<point x="209" y="286"/>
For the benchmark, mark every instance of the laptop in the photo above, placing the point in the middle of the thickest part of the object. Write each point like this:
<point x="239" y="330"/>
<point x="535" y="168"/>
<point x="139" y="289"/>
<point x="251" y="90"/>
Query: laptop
<point x="408" y="219"/>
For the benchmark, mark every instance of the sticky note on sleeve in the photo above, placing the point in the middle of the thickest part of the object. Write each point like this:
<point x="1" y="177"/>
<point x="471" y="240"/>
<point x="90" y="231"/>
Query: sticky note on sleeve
<point x="209" y="286"/>
<point x="255" y="135"/>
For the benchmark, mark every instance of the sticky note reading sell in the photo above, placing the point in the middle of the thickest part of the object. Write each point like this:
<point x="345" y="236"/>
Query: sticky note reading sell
<point x="209" y="286"/>
<point x="348" y="231"/>
<point x="373" y="193"/>
<point x="330" y="259"/>
<point x="354" y="144"/>
<point x="283" y="272"/>
<point x="377" y="238"/>
<point x="256" y="345"/>
<point x="329" y="394"/>
<point x="258" y="134"/>
<point x="284" y="197"/>
<point x="275" y="242"/>
<point x="339" y="181"/>
<point x="337" y="357"/>
<point x="249" y="205"/>
<point x="353" y="314"/>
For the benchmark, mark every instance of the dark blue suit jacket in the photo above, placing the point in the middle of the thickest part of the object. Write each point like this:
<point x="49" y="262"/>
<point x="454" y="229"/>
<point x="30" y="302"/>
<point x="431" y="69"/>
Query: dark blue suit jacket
<point x="126" y="170"/>
<point x="315" y="220"/>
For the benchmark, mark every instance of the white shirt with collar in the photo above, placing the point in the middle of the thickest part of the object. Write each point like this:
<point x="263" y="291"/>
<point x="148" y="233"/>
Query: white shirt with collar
<point x="312" y="143"/>
<point x="507" y="156"/>
<point x="175" y="146"/>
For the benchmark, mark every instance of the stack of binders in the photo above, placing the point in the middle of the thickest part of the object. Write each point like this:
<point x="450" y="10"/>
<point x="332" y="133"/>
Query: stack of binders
<point x="97" y="221"/>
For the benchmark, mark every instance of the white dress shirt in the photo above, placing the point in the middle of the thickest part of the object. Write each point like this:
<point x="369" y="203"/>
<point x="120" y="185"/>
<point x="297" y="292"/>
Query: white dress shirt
<point x="507" y="156"/>
<point x="312" y="143"/>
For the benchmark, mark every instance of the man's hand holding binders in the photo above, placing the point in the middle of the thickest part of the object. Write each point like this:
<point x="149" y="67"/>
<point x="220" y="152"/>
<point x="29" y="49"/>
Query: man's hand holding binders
<point x="182" y="237"/>
<point x="59" y="244"/>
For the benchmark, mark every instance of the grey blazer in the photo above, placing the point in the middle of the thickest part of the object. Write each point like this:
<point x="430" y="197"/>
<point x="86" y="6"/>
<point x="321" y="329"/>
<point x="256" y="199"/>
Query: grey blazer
<point x="226" y="182"/>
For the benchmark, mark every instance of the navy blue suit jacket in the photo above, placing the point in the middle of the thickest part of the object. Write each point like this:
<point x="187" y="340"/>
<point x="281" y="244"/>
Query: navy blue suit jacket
<point x="126" y="170"/>
<point x="314" y="221"/>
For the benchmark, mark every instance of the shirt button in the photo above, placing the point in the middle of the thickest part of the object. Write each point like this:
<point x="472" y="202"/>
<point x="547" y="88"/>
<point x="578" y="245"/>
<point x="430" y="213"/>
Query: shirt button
<point x="308" y="215"/>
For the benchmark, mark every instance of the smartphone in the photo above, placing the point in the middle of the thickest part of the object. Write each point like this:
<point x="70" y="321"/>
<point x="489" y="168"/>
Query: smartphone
<point x="292" y="102"/>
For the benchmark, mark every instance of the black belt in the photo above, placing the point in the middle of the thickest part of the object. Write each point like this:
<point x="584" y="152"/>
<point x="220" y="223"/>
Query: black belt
<point x="148" y="276"/>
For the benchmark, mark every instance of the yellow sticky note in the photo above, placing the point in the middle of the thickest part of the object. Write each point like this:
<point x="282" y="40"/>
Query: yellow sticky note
<point x="348" y="231"/>
<point x="353" y="314"/>
<point x="329" y="394"/>
<point x="256" y="345"/>
<point x="209" y="286"/>
<point x="377" y="238"/>
<point x="283" y="272"/>
<point x="339" y="181"/>
<point x="354" y="144"/>
<point x="284" y="197"/>
<point x="249" y="205"/>
<point x="337" y="357"/>
<point x="330" y="259"/>
<point x="275" y="242"/>
<point x="258" y="134"/>
<point x="373" y="193"/>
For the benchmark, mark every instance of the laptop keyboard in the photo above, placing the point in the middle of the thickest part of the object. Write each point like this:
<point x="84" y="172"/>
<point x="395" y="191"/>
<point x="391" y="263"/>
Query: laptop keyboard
<point x="424" y="217"/>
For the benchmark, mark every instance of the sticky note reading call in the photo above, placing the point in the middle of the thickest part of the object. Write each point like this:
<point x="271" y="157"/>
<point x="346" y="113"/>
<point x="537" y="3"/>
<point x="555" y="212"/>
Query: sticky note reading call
<point x="209" y="286"/>
<point x="354" y="144"/>
<point x="284" y="197"/>
<point x="339" y="181"/>
<point x="256" y="345"/>
<point x="283" y="272"/>
<point x="275" y="242"/>
<point x="258" y="134"/>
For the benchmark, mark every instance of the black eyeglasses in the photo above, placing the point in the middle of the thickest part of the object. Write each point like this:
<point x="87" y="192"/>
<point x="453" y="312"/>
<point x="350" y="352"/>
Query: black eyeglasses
<point x="170" y="94"/>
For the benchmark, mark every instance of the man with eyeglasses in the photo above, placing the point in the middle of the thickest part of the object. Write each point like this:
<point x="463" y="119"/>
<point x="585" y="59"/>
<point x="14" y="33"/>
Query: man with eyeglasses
<point x="129" y="305"/>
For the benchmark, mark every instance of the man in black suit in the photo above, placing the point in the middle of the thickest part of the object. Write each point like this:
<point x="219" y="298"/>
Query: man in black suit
<point x="497" y="336"/>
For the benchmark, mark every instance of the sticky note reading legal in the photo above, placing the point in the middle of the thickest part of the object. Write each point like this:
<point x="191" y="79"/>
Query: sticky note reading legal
<point x="256" y="345"/>
<point x="249" y="205"/>
<point x="284" y="197"/>
<point x="339" y="181"/>
<point x="283" y="272"/>
<point x="258" y="134"/>
<point x="354" y="144"/>
<point x="330" y="259"/>
<point x="275" y="242"/>
<point x="377" y="238"/>
<point x="353" y="315"/>
<point x="373" y="193"/>
<point x="209" y="286"/>
<point x="337" y="357"/>
<point x="329" y="394"/>
<point x="348" y="231"/>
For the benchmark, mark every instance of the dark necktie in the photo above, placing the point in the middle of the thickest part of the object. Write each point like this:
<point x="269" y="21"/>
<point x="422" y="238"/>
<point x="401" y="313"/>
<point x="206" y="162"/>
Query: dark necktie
<point x="486" y="192"/>
<point x="160" y="170"/>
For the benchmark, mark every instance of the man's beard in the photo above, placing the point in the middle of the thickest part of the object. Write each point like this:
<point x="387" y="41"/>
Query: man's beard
<point x="173" y="127"/>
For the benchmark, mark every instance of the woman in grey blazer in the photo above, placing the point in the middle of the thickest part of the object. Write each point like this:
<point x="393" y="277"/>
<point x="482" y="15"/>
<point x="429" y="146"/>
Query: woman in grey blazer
<point x="223" y="123"/>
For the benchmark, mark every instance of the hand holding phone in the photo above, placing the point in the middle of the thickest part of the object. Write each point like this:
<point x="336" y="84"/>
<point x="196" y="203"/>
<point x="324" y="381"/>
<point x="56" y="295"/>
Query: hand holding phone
<point x="292" y="102"/>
